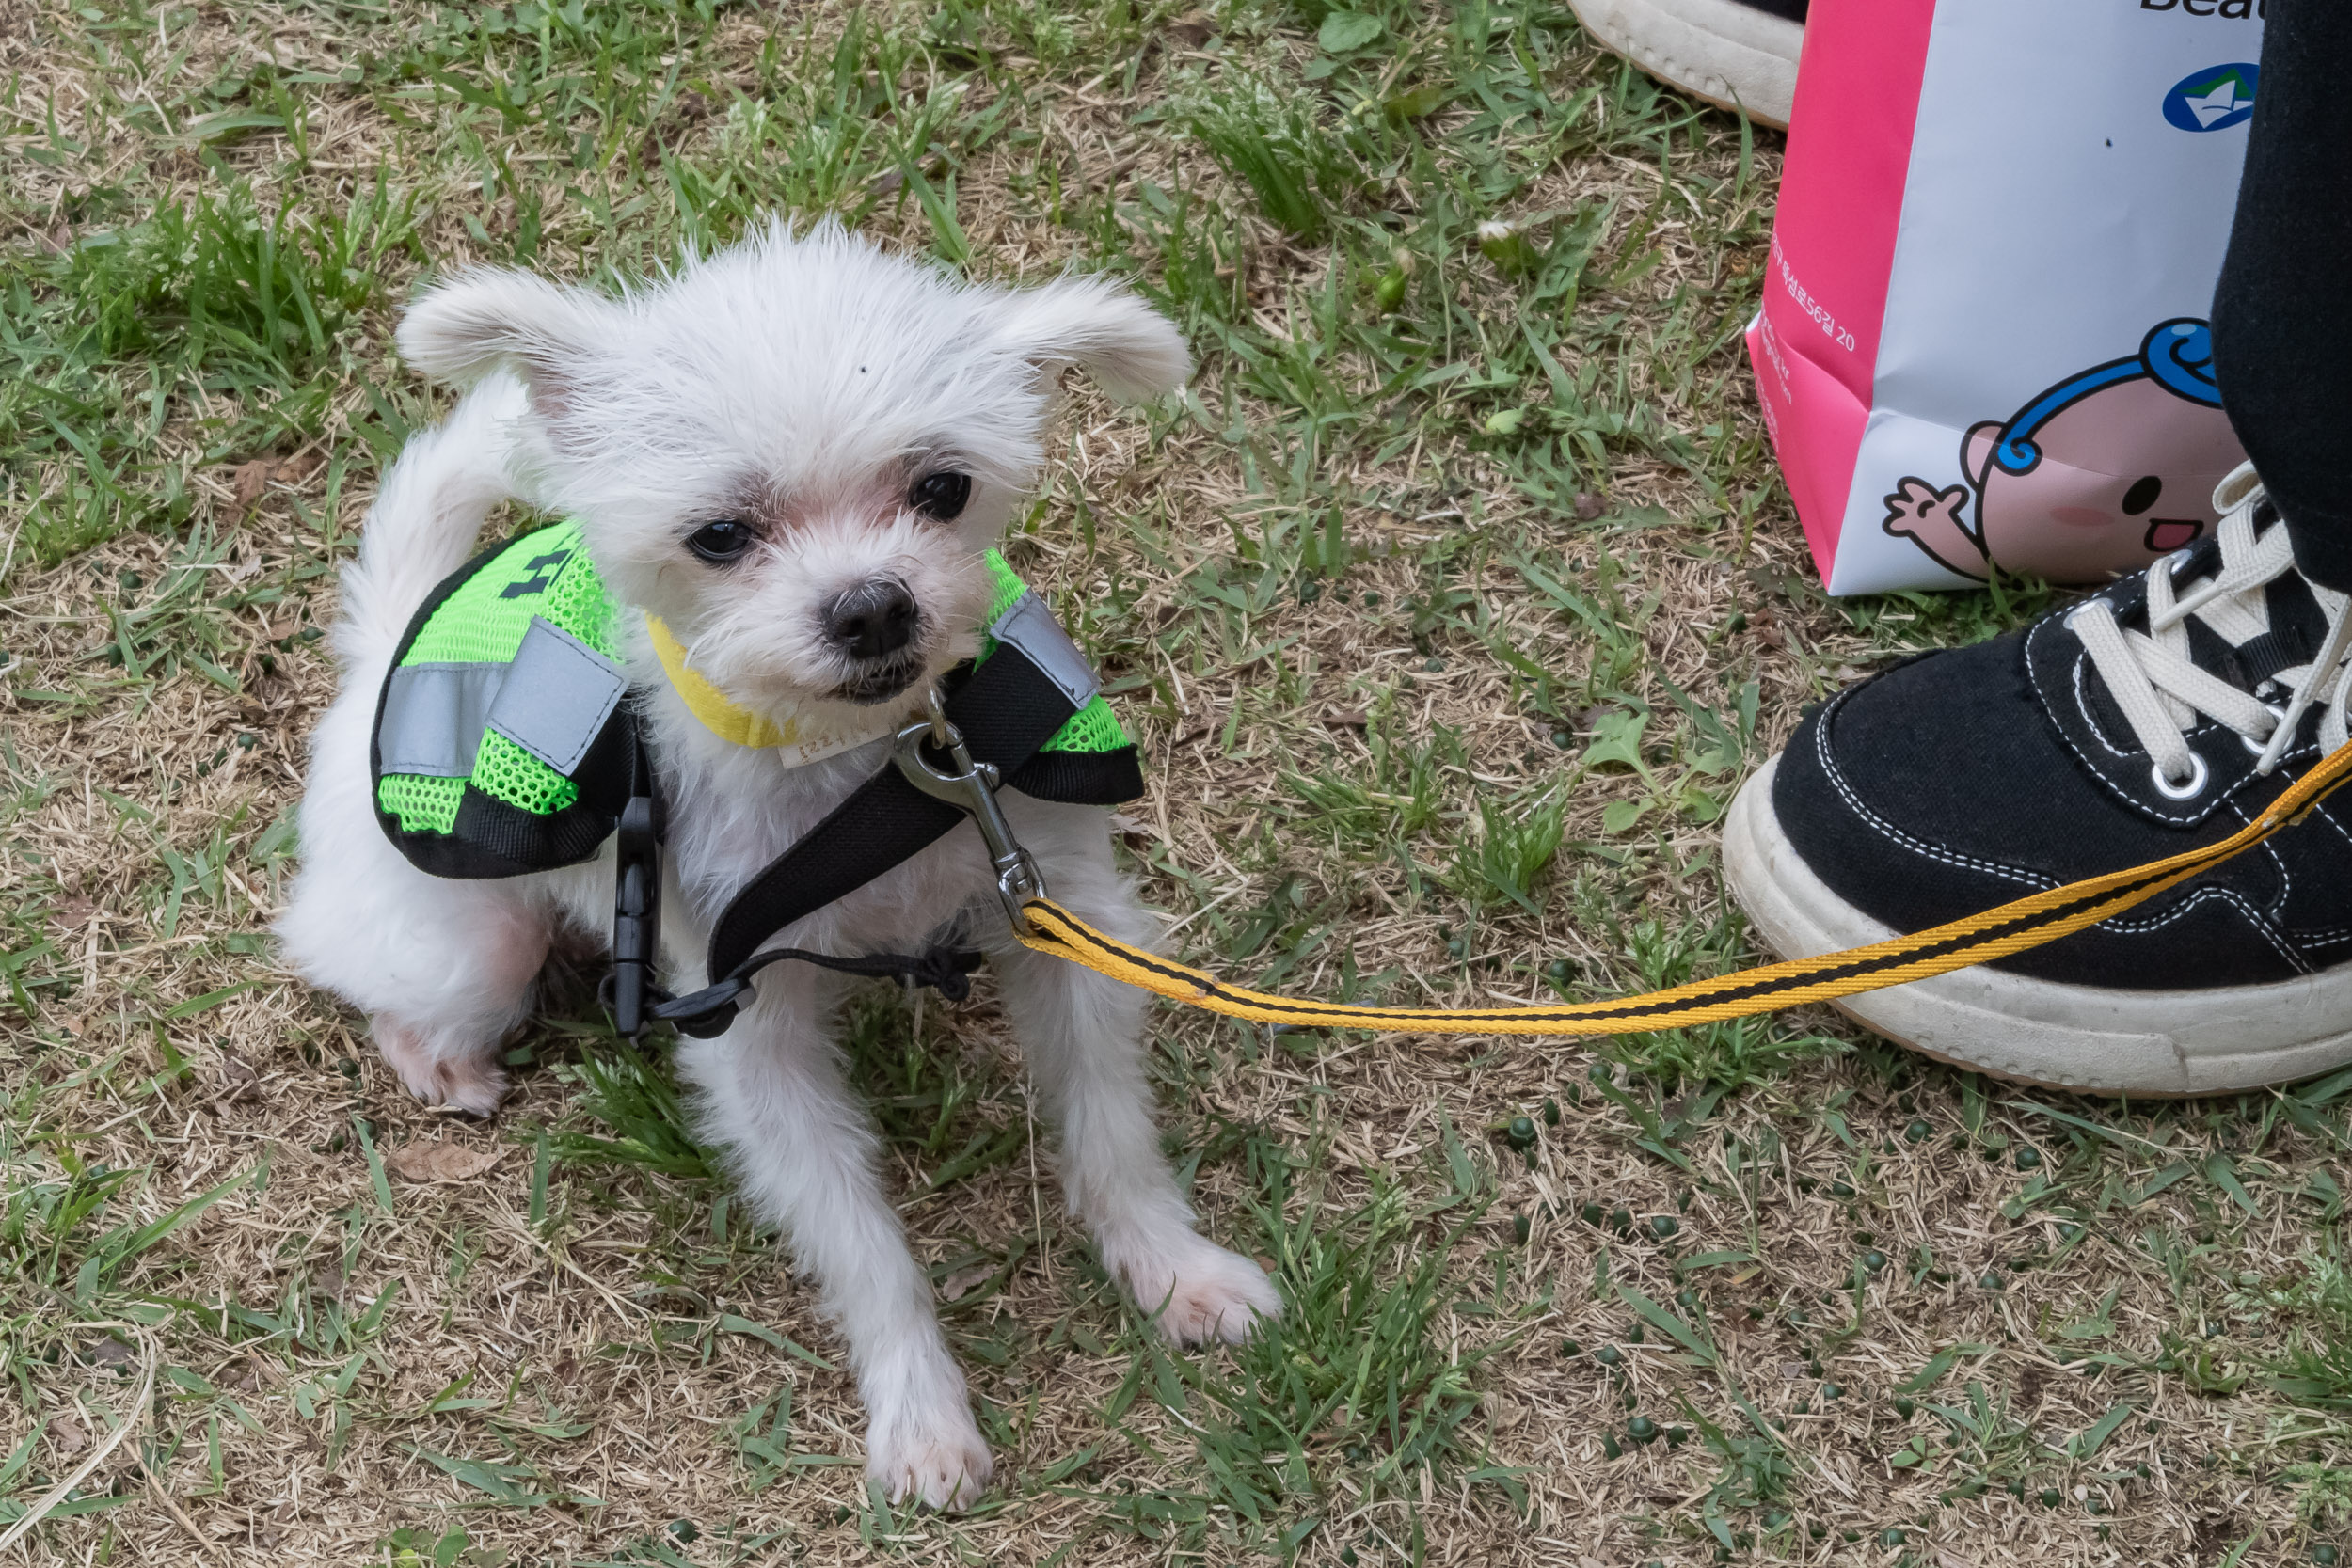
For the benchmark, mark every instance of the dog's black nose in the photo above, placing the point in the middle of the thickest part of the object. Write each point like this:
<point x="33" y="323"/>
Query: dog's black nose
<point x="872" y="620"/>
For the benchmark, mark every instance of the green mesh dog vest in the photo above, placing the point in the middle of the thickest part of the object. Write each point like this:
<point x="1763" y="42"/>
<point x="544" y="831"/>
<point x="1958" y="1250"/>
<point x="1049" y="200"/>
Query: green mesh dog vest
<point x="504" y="738"/>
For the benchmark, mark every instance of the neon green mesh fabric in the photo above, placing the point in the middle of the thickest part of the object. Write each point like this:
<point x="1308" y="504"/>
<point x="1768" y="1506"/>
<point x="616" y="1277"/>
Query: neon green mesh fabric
<point x="1094" y="727"/>
<point x="482" y="623"/>
<point x="504" y="770"/>
<point x="544" y="573"/>
<point x="422" y="804"/>
<point x="1009" y="587"/>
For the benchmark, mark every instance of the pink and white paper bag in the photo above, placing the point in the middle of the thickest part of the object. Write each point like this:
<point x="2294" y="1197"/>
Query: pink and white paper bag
<point x="1983" y="337"/>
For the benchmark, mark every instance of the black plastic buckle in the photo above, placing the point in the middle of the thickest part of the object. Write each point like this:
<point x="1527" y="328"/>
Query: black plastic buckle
<point x="707" y="1013"/>
<point x="704" y="1014"/>
<point x="636" y="916"/>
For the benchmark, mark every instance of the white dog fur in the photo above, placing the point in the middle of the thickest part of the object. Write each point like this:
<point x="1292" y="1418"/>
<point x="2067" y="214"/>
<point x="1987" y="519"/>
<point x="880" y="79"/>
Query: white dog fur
<point x="801" y="384"/>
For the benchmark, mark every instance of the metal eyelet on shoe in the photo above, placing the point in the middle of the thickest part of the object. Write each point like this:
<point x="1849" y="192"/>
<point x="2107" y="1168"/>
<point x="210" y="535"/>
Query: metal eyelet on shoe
<point x="2279" y="714"/>
<point x="2199" y="775"/>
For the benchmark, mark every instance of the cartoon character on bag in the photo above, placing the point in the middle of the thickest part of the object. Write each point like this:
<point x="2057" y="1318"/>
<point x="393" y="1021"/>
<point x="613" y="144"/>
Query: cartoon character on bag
<point x="2097" y="476"/>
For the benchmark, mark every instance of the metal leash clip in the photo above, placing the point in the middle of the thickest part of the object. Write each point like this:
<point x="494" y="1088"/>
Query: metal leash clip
<point x="973" y="787"/>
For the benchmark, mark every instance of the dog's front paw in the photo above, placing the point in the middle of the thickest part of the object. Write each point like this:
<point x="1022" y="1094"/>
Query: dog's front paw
<point x="942" y="1461"/>
<point x="472" y="1083"/>
<point x="1199" y="1294"/>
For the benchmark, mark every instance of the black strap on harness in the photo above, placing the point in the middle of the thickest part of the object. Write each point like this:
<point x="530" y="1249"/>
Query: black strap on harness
<point x="1006" y="709"/>
<point x="637" y="894"/>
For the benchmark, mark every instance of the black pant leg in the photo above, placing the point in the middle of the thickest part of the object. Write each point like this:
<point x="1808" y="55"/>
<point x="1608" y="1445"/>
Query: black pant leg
<point x="2282" y="311"/>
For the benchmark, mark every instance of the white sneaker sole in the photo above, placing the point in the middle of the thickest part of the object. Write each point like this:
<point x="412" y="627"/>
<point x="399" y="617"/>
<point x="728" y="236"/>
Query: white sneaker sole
<point x="2086" y="1039"/>
<point x="1731" y="55"/>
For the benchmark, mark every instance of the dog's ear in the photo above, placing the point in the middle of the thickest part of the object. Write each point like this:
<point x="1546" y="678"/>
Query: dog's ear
<point x="1131" y="350"/>
<point x="496" y="318"/>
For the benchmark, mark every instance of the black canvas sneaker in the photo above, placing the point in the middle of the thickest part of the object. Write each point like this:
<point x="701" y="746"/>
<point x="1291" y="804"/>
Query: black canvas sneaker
<point x="1739" y="53"/>
<point x="2161" y="714"/>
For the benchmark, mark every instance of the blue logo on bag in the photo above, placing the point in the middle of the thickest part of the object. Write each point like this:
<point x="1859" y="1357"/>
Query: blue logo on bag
<point x="2214" y="99"/>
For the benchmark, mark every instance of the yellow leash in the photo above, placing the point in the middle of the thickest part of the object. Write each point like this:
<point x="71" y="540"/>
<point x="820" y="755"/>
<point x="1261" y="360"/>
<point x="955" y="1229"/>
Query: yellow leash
<point x="1995" y="934"/>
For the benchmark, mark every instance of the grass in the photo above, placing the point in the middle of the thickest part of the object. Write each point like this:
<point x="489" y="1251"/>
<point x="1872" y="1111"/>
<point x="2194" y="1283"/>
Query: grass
<point x="1451" y="603"/>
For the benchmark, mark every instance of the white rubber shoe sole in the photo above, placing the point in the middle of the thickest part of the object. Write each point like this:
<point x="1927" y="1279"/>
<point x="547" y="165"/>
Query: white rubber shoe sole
<point x="1731" y="55"/>
<point x="2163" y="1043"/>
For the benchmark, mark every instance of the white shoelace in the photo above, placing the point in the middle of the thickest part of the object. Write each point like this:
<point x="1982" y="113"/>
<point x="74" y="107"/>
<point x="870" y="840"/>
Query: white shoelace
<point x="2162" y="692"/>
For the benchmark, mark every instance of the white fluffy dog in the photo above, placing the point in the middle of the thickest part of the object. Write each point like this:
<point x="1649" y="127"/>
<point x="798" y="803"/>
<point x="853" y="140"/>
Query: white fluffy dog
<point x="796" y="421"/>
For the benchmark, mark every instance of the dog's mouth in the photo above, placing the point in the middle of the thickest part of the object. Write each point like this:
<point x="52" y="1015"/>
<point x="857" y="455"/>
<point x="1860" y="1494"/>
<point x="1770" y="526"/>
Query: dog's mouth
<point x="878" y="682"/>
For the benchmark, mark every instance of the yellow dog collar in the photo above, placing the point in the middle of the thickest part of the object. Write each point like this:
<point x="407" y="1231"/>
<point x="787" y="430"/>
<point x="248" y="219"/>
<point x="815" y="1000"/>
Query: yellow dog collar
<point x="739" y="725"/>
<point x="722" y="717"/>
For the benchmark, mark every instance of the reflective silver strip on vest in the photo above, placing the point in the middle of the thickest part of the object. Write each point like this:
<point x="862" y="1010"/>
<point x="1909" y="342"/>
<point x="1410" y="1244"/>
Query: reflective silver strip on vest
<point x="434" y="716"/>
<point x="557" y="695"/>
<point x="1029" y="627"/>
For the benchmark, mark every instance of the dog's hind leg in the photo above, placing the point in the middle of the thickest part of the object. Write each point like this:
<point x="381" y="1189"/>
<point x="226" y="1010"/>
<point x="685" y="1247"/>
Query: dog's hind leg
<point x="453" y="987"/>
<point x="443" y="969"/>
<point x="804" y="1152"/>
<point x="1082" y="1037"/>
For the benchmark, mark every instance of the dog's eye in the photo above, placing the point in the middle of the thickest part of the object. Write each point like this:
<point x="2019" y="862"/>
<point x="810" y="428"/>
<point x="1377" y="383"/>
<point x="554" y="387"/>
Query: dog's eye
<point x="941" y="495"/>
<point x="721" y="542"/>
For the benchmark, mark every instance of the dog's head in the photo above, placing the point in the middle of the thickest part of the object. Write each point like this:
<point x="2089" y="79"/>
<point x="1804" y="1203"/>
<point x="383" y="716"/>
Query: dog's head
<point x="794" y="451"/>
